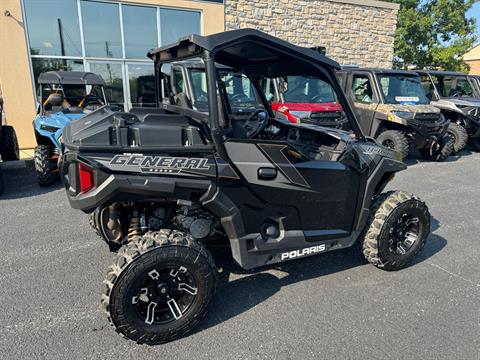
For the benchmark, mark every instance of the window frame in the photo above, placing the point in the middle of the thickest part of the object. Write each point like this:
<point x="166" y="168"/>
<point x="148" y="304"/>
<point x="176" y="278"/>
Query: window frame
<point x="120" y="60"/>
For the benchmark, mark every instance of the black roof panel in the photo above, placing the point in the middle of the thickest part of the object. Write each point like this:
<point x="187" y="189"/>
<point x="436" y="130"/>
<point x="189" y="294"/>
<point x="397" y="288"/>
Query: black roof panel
<point x="70" y="78"/>
<point x="248" y="50"/>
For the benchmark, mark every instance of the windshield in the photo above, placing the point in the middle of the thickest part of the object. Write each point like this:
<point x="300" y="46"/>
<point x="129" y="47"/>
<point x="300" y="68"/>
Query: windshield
<point x="72" y="94"/>
<point x="238" y="87"/>
<point x="307" y="89"/>
<point x="402" y="89"/>
<point x="453" y="86"/>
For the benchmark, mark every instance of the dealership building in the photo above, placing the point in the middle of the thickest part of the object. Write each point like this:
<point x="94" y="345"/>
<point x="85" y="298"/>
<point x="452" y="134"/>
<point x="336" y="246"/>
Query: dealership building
<point x="111" y="38"/>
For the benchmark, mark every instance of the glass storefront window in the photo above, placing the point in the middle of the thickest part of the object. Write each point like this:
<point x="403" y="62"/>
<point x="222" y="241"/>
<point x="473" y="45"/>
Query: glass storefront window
<point x="53" y="27"/>
<point x="141" y="80"/>
<point x="177" y="23"/>
<point x="43" y="65"/>
<point x="140" y="30"/>
<point x="101" y="29"/>
<point x="112" y="74"/>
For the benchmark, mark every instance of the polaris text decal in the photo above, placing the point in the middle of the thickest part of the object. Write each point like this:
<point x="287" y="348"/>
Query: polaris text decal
<point x="306" y="251"/>
<point x="160" y="164"/>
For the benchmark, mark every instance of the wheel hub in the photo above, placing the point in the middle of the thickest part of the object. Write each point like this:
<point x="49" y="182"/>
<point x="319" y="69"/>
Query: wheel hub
<point x="404" y="234"/>
<point x="164" y="295"/>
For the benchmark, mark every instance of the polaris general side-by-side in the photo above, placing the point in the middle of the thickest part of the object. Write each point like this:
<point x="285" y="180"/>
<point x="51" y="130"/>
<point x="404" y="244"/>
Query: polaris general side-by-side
<point x="63" y="96"/>
<point x="165" y="182"/>
<point x="455" y="95"/>
<point x="392" y="107"/>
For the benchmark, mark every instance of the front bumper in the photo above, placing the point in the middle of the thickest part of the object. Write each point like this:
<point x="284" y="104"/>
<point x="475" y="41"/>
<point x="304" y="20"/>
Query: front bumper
<point x="427" y="130"/>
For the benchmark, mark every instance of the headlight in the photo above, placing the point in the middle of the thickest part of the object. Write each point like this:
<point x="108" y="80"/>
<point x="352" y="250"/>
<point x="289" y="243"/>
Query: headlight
<point x="48" y="128"/>
<point x="407" y="115"/>
<point x="300" y="114"/>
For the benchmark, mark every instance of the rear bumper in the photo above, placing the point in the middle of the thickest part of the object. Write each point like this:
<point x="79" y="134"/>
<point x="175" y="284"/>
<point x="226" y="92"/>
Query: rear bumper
<point x="124" y="187"/>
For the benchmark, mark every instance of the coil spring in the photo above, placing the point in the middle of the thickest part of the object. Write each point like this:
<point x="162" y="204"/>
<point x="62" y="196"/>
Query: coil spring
<point x="134" y="228"/>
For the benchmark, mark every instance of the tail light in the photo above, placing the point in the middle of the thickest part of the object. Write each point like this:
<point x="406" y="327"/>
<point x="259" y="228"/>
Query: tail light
<point x="86" y="178"/>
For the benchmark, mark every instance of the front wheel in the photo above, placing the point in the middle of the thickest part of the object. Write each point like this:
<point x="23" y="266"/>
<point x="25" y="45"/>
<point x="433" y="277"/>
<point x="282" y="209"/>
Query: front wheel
<point x="395" y="140"/>
<point x="398" y="227"/>
<point x="160" y="287"/>
<point x="45" y="165"/>
<point x="438" y="150"/>
<point x="9" y="149"/>
<point x="459" y="135"/>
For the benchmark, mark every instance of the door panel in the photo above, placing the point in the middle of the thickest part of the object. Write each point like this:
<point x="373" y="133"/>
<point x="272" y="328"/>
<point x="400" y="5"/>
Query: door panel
<point x="323" y="193"/>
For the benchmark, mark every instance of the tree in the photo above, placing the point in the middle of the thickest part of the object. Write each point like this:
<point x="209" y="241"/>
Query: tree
<point x="433" y="34"/>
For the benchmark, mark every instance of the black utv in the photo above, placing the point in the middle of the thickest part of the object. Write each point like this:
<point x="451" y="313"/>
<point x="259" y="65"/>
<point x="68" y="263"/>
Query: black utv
<point x="164" y="183"/>
<point x="456" y="96"/>
<point x="9" y="149"/>
<point x="392" y="107"/>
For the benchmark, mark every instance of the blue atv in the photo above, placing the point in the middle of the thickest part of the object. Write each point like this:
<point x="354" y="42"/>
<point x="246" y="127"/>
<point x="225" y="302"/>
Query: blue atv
<point x="64" y="96"/>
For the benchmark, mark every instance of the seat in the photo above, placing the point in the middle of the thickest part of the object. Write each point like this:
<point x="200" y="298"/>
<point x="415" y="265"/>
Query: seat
<point x="54" y="102"/>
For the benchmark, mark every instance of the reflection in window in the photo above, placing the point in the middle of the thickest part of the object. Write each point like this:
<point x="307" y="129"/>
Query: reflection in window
<point x="141" y="80"/>
<point x="140" y="30"/>
<point x="43" y="65"/>
<point x="53" y="27"/>
<point x="112" y="74"/>
<point x="171" y="29"/>
<point x="101" y="29"/>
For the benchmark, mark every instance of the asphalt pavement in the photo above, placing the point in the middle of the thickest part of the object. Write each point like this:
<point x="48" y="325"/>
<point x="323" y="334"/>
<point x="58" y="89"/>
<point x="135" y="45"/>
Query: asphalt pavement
<point x="331" y="306"/>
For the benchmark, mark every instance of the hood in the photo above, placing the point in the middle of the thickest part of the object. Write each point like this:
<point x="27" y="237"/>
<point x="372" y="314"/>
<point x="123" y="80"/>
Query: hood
<point x="463" y="101"/>
<point x="320" y="107"/>
<point x="386" y="108"/>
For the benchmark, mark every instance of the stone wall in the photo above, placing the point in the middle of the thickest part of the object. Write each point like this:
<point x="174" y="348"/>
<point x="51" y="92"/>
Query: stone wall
<point x="353" y="31"/>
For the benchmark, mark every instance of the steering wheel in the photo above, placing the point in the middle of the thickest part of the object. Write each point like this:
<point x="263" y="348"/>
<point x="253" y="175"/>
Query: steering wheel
<point x="256" y="123"/>
<point x="318" y="98"/>
<point x="91" y="100"/>
<point x="239" y="98"/>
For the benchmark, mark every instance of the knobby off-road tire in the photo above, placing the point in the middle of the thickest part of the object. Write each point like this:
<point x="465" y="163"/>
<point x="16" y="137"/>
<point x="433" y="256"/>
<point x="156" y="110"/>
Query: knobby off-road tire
<point x="148" y="259"/>
<point x="459" y="135"/>
<point x="390" y="212"/>
<point x="9" y="144"/>
<point x="395" y="140"/>
<point x="474" y="144"/>
<point x="45" y="167"/>
<point x="439" y="151"/>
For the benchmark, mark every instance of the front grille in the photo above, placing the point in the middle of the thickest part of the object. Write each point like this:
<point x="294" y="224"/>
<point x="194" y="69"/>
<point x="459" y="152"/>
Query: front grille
<point x="327" y="118"/>
<point x="428" y="117"/>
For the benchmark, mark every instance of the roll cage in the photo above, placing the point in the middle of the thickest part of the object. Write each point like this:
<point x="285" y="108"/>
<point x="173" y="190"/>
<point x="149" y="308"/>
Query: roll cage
<point x="253" y="53"/>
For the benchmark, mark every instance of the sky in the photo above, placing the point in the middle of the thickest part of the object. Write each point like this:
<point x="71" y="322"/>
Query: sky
<point x="475" y="12"/>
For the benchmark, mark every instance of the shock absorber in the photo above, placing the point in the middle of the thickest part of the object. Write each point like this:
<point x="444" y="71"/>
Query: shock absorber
<point x="134" y="229"/>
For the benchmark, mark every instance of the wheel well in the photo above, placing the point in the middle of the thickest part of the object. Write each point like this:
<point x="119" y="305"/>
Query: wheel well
<point x="385" y="125"/>
<point x="385" y="179"/>
<point x="42" y="140"/>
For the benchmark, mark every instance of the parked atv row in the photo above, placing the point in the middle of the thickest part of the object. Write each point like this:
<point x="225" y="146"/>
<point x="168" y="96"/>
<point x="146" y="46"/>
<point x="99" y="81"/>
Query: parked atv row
<point x="217" y="161"/>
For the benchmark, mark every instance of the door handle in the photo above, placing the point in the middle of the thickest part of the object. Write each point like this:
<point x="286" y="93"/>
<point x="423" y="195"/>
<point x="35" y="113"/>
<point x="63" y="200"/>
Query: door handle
<point x="267" y="173"/>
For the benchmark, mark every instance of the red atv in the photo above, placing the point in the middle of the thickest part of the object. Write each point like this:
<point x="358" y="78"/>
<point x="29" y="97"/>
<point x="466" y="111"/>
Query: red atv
<point x="304" y="99"/>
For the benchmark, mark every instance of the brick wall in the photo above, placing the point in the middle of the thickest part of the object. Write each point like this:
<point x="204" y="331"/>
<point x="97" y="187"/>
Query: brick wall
<point x="353" y="31"/>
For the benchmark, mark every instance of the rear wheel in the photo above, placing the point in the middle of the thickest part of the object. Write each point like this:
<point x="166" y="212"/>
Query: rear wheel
<point x="395" y="140"/>
<point x="160" y="287"/>
<point x="397" y="230"/>
<point x="9" y="144"/>
<point x="459" y="135"/>
<point x="438" y="150"/>
<point x="474" y="143"/>
<point x="45" y="165"/>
